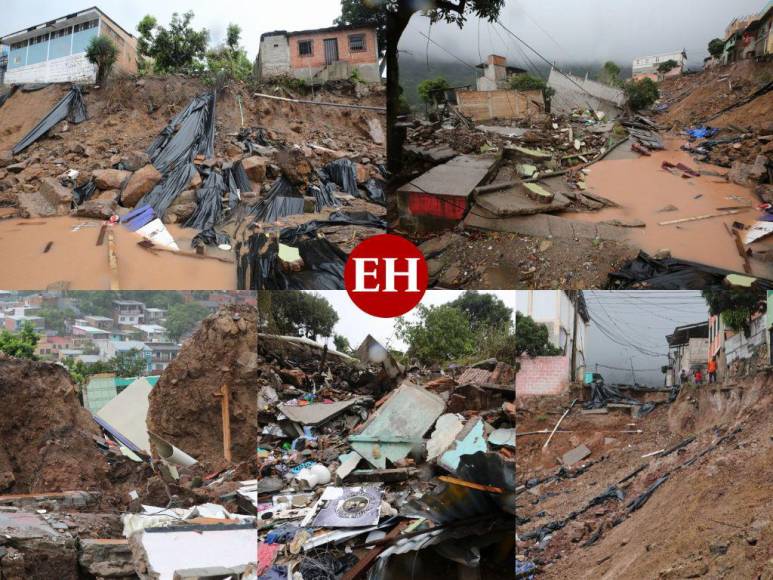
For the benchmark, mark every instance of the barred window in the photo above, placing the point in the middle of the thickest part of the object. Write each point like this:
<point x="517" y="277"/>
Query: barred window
<point x="305" y="47"/>
<point x="356" y="42"/>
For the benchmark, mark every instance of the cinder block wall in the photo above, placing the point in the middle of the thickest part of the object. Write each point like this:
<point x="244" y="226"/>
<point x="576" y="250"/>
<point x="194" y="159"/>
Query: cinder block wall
<point x="542" y="375"/>
<point x="69" y="68"/>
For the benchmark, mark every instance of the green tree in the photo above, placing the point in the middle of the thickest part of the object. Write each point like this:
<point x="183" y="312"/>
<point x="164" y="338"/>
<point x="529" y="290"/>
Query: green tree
<point x="399" y="13"/>
<point x="183" y="318"/>
<point x="484" y="311"/>
<point x="364" y="13"/>
<point x="178" y="48"/>
<point x="103" y="53"/>
<point x="233" y="34"/>
<point x="130" y="363"/>
<point x="20" y="344"/>
<point x="526" y="82"/>
<point x="80" y="371"/>
<point x="641" y="94"/>
<point x="302" y="314"/>
<point x="532" y="337"/>
<point x="667" y="65"/>
<point x="440" y="335"/>
<point x="431" y="91"/>
<point x="716" y="47"/>
<point x="610" y="74"/>
<point x="97" y="303"/>
<point x="736" y="305"/>
<point x="55" y="318"/>
<point x="342" y="343"/>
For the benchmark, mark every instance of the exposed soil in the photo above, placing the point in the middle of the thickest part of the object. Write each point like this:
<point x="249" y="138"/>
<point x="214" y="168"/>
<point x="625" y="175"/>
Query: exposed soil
<point x="712" y="518"/>
<point x="47" y="439"/>
<point x="185" y="408"/>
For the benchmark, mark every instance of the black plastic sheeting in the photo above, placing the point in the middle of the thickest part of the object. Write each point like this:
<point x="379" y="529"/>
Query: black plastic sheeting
<point x="253" y="138"/>
<point x="210" y="237"/>
<point x="337" y="218"/>
<point x="83" y="193"/>
<point x="190" y="133"/>
<point x="375" y="191"/>
<point x="209" y="203"/>
<point x="602" y="394"/>
<point x="237" y="182"/>
<point x="343" y="174"/>
<point x="259" y="268"/>
<point x="665" y="274"/>
<point x="281" y="200"/>
<point x="70" y="107"/>
<point x="323" y="196"/>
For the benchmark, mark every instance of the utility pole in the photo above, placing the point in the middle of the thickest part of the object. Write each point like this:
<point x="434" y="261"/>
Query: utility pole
<point x="574" y="339"/>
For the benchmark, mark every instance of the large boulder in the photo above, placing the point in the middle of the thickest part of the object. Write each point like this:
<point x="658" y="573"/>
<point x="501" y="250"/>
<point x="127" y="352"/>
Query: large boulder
<point x="134" y="160"/>
<point x="101" y="209"/>
<point x="295" y="166"/>
<point x="110" y="178"/>
<point x="55" y="193"/>
<point x="140" y="183"/>
<point x="179" y="212"/>
<point x="255" y="168"/>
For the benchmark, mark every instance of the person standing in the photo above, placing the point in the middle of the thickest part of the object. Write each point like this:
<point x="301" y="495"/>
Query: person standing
<point x="698" y="377"/>
<point x="713" y="370"/>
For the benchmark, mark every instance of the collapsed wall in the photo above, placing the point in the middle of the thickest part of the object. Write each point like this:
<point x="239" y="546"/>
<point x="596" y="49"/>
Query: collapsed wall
<point x="47" y="439"/>
<point x="185" y="406"/>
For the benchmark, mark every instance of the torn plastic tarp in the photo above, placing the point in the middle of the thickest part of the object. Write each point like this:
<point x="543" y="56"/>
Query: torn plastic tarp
<point x="70" y="107"/>
<point x="323" y="196"/>
<point x="337" y="218"/>
<point x="282" y="199"/>
<point x="190" y="133"/>
<point x="642" y="498"/>
<point x="237" y="181"/>
<point x="702" y="132"/>
<point x="375" y="191"/>
<point x="343" y="174"/>
<point x="260" y="269"/>
<point x="602" y="394"/>
<point x="210" y="237"/>
<point x="665" y="274"/>
<point x="83" y="193"/>
<point x="209" y="203"/>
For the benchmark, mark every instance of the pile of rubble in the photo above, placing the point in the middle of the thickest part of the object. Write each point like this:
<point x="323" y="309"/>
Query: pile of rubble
<point x="363" y="464"/>
<point x="159" y="483"/>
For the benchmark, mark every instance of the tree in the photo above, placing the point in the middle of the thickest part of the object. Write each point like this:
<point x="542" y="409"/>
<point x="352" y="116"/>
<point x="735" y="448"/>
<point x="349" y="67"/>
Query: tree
<point x="342" y="343"/>
<point x="484" y="311"/>
<point x="440" y="335"/>
<point x="56" y="318"/>
<point x="103" y="53"/>
<point x="716" y="47"/>
<point x="81" y="371"/>
<point x="183" y="318"/>
<point x="532" y="338"/>
<point x="230" y="59"/>
<point x="130" y="363"/>
<point x="178" y="48"/>
<point x="357" y="12"/>
<point x="233" y="34"/>
<point x="641" y="94"/>
<point x="20" y="344"/>
<point x="432" y="91"/>
<point x="736" y="305"/>
<point x="610" y="74"/>
<point x="667" y="65"/>
<point x="299" y="313"/>
<point x="526" y="82"/>
<point x="399" y="13"/>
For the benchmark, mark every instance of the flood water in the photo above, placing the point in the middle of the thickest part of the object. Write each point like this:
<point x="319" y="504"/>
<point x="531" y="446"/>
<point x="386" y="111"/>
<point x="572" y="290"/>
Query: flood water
<point x="75" y="259"/>
<point x="641" y="187"/>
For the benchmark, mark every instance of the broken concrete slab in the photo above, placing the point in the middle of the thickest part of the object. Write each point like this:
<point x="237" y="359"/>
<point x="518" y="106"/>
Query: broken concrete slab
<point x="469" y="440"/>
<point x="456" y="178"/>
<point x="573" y="456"/>
<point x="525" y="199"/>
<point x="33" y="548"/>
<point x="438" y="154"/>
<point x="398" y="425"/>
<point x="316" y="413"/>
<point x="107" y="558"/>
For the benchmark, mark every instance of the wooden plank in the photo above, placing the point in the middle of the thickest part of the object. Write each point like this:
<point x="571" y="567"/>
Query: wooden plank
<point x="152" y="248"/>
<point x="367" y="561"/>
<point x="700" y="217"/>
<point x="112" y="260"/>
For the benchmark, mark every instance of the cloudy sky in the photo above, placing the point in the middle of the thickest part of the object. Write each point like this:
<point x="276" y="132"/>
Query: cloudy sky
<point x="640" y="320"/>
<point x="355" y="324"/>
<point x="583" y="30"/>
<point x="254" y="16"/>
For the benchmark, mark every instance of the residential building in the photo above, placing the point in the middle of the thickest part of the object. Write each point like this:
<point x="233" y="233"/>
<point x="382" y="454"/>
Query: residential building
<point x="3" y="63"/>
<point x="55" y="51"/>
<point x="110" y="349"/>
<point x="155" y="315"/>
<point x="687" y="349"/>
<point x="15" y="322"/>
<point x="566" y="317"/>
<point x="321" y="55"/>
<point x="647" y="66"/>
<point x="163" y="353"/>
<point x="741" y="346"/>
<point x="102" y="322"/>
<point x="49" y="347"/>
<point x="128" y="312"/>
<point x="496" y="73"/>
<point x="152" y="333"/>
<point x="83" y="332"/>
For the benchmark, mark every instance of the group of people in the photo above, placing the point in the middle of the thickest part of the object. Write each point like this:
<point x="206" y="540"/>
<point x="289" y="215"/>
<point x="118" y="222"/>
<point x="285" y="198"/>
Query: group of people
<point x="697" y="374"/>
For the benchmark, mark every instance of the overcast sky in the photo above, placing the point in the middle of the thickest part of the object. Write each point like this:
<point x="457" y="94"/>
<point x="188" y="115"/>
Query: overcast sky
<point x="355" y="324"/>
<point x="639" y="319"/>
<point x="254" y="16"/>
<point x="583" y="30"/>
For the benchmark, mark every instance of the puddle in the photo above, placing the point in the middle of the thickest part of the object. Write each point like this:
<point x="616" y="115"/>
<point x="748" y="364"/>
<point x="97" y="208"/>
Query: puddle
<point x="641" y="188"/>
<point x="75" y="258"/>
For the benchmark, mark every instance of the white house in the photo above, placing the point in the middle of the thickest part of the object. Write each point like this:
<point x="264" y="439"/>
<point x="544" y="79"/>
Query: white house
<point x="647" y="66"/>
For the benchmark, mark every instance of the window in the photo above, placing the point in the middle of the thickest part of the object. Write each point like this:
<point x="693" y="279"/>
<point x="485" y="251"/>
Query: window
<point x="19" y="45"/>
<point x="62" y="33"/>
<point x="305" y="47"/>
<point x="39" y="39"/>
<point x="86" y="25"/>
<point x="356" y="42"/>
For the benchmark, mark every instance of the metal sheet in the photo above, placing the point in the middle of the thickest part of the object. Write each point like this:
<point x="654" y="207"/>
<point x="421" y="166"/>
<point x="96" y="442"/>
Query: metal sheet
<point x="398" y="425"/>
<point x="470" y="440"/>
<point x="315" y="413"/>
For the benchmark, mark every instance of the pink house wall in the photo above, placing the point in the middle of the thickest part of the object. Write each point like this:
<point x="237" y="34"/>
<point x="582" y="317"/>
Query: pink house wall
<point x="542" y="375"/>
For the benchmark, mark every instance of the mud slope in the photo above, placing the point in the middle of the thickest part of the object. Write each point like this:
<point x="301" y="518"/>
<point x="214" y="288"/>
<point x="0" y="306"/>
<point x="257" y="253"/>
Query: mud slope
<point x="46" y="437"/>
<point x="184" y="406"/>
<point x="712" y="517"/>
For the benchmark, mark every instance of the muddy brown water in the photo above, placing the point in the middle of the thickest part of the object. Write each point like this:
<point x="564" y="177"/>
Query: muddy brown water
<point x="641" y="187"/>
<point x="75" y="258"/>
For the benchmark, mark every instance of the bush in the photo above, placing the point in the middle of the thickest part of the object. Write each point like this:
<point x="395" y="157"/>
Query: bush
<point x="641" y="94"/>
<point x="533" y="338"/>
<point x="716" y="47"/>
<point x="666" y="66"/>
<point x="527" y="82"/>
<point x="431" y="90"/>
<point x="103" y="53"/>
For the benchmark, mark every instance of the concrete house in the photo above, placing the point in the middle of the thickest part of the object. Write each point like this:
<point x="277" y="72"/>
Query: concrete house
<point x="318" y="56"/>
<point x="55" y="51"/>
<point x="647" y="66"/>
<point x="688" y="347"/>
